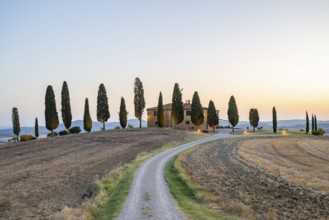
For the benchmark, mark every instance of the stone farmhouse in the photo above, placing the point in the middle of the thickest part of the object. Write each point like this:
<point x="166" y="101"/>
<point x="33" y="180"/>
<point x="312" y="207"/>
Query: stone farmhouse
<point x="152" y="117"/>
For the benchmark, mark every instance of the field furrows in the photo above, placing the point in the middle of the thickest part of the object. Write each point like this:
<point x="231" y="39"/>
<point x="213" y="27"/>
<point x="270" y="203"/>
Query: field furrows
<point x="266" y="177"/>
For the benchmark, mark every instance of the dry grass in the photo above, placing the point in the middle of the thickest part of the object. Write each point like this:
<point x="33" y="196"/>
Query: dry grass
<point x="303" y="161"/>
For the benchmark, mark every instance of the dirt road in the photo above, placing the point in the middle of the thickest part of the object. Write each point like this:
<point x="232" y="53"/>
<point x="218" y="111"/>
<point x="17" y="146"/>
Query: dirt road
<point x="266" y="178"/>
<point x="40" y="178"/>
<point x="149" y="196"/>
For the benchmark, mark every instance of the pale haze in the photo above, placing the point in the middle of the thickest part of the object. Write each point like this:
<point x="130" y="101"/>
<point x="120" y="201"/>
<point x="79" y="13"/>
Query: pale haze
<point x="265" y="53"/>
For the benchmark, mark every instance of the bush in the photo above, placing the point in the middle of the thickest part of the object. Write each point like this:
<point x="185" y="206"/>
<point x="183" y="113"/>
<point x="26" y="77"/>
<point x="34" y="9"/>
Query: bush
<point x="117" y="127"/>
<point x="52" y="134"/>
<point x="75" y="130"/>
<point x="321" y="131"/>
<point x="130" y="126"/>
<point x="204" y="131"/>
<point x="27" y="137"/>
<point x="64" y="132"/>
<point x="318" y="132"/>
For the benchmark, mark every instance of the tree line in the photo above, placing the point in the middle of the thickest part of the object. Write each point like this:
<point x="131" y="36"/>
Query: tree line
<point x="177" y="114"/>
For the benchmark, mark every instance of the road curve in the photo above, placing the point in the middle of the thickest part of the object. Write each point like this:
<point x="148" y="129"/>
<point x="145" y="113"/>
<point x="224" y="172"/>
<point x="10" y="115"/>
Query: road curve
<point x="149" y="196"/>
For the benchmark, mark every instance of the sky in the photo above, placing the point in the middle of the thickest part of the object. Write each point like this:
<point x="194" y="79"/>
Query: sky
<point x="265" y="53"/>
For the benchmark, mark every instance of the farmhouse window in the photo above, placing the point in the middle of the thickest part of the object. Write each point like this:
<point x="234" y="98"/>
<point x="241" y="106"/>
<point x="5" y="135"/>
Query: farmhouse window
<point x="188" y="113"/>
<point x="155" y="113"/>
<point x="187" y="122"/>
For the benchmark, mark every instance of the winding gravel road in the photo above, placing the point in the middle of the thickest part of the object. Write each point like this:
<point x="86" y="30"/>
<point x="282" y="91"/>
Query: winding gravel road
<point x="149" y="196"/>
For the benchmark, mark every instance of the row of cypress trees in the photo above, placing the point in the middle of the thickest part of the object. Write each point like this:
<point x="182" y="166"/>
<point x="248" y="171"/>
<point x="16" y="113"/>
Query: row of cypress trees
<point x="103" y="113"/>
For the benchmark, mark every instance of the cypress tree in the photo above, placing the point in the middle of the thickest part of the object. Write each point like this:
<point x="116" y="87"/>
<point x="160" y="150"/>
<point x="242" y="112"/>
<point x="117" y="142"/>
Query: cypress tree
<point x="275" y="122"/>
<point x="36" y="128"/>
<point x="212" y="117"/>
<point x="177" y="112"/>
<point x="197" y="116"/>
<point x="253" y="118"/>
<point x="87" y="122"/>
<point x="160" y="111"/>
<point x="66" y="106"/>
<point x="139" y="100"/>
<point x="51" y="114"/>
<point x="103" y="113"/>
<point x="232" y="112"/>
<point x="315" y="123"/>
<point x="123" y="113"/>
<point x="313" y="126"/>
<point x="15" y="120"/>
<point x="307" y="123"/>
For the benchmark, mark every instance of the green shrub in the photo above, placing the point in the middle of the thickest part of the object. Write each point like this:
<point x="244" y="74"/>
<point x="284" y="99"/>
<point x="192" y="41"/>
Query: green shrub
<point x="130" y="126"/>
<point x="205" y="131"/>
<point x="75" y="130"/>
<point x="117" y="127"/>
<point x="52" y="134"/>
<point x="321" y="131"/>
<point x="64" y="132"/>
<point x="27" y="137"/>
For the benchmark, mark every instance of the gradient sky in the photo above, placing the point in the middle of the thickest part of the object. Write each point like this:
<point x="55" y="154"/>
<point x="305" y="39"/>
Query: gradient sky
<point x="265" y="53"/>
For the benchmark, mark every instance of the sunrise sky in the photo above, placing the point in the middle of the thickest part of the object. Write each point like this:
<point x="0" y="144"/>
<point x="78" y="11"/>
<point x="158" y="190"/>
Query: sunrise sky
<point x="265" y="53"/>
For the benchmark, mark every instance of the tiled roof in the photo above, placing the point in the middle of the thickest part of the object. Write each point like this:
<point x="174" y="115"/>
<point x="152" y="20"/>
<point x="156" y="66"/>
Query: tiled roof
<point x="187" y="106"/>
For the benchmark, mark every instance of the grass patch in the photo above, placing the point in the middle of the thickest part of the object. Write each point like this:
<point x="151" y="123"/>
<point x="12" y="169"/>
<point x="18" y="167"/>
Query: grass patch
<point x="268" y="132"/>
<point x="193" y="200"/>
<point x="113" y="189"/>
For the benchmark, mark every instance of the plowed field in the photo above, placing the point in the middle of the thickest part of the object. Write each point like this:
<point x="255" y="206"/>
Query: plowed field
<point x="40" y="178"/>
<point x="266" y="178"/>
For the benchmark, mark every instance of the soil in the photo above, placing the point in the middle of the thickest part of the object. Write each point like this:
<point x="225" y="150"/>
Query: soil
<point x="39" y="178"/>
<point x="266" y="178"/>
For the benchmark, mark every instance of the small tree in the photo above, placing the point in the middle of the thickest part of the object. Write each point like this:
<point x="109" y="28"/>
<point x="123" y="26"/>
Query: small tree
<point x="123" y="113"/>
<point x="160" y="111"/>
<point x="66" y="106"/>
<point x="232" y="112"/>
<point x="139" y="100"/>
<point x="212" y="117"/>
<point x="307" y="123"/>
<point x="87" y="121"/>
<point x="315" y="123"/>
<point x="197" y="116"/>
<point x="103" y="113"/>
<point x="253" y="118"/>
<point x="177" y="112"/>
<point x="275" y="122"/>
<point x="36" y="128"/>
<point x="15" y="120"/>
<point x="51" y="114"/>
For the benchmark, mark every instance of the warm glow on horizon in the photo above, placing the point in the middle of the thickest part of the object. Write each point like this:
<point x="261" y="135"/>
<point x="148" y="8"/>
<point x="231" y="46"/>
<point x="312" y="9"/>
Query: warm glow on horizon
<point x="265" y="53"/>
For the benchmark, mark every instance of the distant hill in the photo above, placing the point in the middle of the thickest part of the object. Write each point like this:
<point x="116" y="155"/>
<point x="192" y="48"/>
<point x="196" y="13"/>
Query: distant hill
<point x="6" y="131"/>
<point x="295" y="124"/>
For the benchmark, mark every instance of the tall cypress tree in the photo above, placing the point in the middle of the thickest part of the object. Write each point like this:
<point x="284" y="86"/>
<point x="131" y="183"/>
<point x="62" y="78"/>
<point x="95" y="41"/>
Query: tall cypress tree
<point x="232" y="112"/>
<point x="197" y="116"/>
<point x="51" y="114"/>
<point x="139" y="100"/>
<point x="313" y="126"/>
<point x="87" y="122"/>
<point x="36" y="128"/>
<point x="315" y="123"/>
<point x="103" y="113"/>
<point x="123" y="113"/>
<point x="177" y="112"/>
<point x="160" y="111"/>
<point x="66" y="106"/>
<point x="275" y="122"/>
<point x="253" y="118"/>
<point x="307" y="123"/>
<point x="212" y="117"/>
<point x="15" y="120"/>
